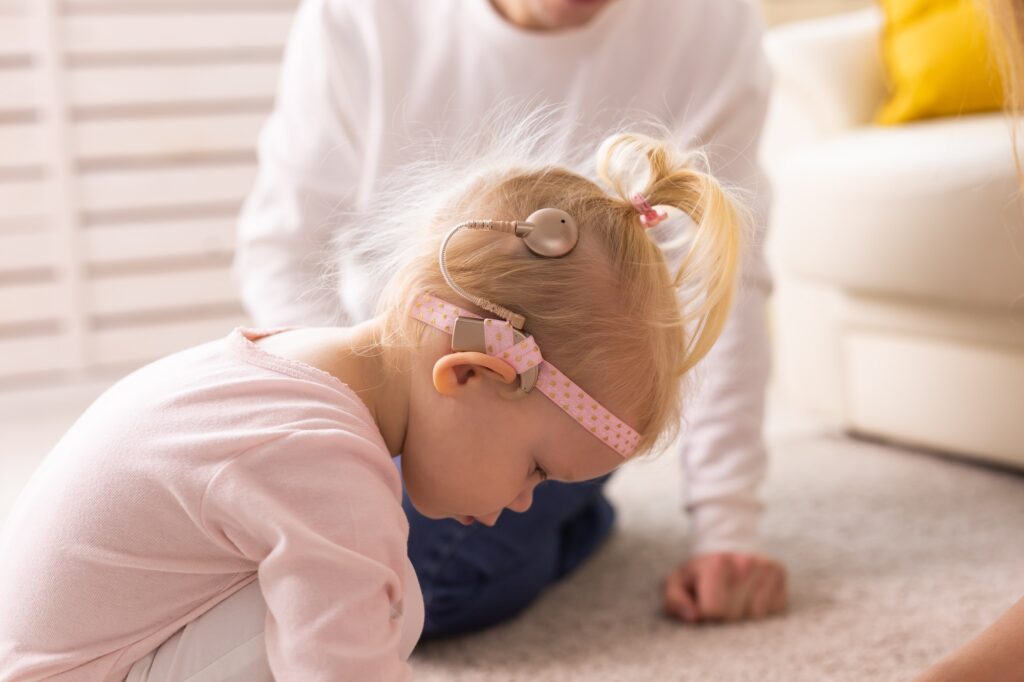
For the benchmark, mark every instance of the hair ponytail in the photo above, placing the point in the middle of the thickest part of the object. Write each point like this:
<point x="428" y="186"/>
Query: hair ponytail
<point x="711" y="234"/>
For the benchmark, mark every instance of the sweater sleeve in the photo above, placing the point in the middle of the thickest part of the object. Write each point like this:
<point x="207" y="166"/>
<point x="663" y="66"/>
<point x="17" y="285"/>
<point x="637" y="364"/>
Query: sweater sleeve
<point x="724" y="454"/>
<point x="310" y="156"/>
<point x="318" y="512"/>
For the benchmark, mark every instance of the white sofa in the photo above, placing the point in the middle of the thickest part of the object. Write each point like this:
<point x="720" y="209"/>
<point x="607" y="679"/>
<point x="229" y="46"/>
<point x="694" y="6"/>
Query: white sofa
<point x="898" y="254"/>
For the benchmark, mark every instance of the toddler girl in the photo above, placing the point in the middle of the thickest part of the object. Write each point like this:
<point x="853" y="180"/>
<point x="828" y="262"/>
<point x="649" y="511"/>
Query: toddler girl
<point x="233" y="511"/>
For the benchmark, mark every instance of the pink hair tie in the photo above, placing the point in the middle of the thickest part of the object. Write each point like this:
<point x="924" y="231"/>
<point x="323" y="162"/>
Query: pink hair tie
<point x="648" y="216"/>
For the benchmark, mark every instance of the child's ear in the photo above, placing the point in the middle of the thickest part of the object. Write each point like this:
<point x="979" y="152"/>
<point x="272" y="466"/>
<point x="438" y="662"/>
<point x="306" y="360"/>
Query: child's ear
<point x="455" y="369"/>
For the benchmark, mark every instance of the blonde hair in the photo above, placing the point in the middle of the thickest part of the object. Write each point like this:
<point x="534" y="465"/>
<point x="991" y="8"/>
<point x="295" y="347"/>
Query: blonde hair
<point x="1006" y="18"/>
<point x="610" y="315"/>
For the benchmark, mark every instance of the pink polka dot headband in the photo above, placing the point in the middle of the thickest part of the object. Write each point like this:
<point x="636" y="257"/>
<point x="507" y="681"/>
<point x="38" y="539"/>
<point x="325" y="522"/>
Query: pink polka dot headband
<point x="499" y="339"/>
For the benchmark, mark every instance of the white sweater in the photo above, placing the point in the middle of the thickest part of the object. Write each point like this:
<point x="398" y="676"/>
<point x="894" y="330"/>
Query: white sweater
<point x="363" y="83"/>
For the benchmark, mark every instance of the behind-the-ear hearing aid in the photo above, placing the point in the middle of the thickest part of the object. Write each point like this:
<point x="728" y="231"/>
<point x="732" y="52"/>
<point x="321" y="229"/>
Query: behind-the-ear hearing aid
<point x="496" y="348"/>
<point x="468" y="335"/>
<point x="548" y="232"/>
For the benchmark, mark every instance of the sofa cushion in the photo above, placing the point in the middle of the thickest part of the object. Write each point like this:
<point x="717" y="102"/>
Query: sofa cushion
<point x="925" y="211"/>
<point x="938" y="59"/>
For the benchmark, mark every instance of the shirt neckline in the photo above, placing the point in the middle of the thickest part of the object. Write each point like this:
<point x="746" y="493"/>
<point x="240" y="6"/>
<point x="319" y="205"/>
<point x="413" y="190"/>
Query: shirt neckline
<point x="243" y="339"/>
<point x="577" y="38"/>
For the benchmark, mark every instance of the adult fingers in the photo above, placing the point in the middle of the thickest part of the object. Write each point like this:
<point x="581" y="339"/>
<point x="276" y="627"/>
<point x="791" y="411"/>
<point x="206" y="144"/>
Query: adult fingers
<point x="763" y="593"/>
<point x="744" y="589"/>
<point x="713" y="585"/>
<point x="678" y="596"/>
<point x="747" y="574"/>
<point x="779" y="592"/>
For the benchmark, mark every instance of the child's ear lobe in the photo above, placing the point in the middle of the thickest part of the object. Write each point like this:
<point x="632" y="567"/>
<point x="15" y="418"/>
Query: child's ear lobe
<point x="455" y="369"/>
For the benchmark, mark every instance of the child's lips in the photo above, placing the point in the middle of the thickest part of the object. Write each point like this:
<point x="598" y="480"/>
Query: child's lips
<point x="465" y="520"/>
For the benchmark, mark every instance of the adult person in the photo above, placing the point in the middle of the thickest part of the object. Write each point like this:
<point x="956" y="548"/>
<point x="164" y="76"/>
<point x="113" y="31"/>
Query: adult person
<point x="363" y="84"/>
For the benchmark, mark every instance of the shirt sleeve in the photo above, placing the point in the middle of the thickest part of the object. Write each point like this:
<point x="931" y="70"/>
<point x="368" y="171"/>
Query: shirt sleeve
<point x="723" y="452"/>
<point x="319" y="513"/>
<point x="309" y="172"/>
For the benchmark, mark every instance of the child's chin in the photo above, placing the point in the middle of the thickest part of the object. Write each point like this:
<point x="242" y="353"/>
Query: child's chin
<point x="433" y="511"/>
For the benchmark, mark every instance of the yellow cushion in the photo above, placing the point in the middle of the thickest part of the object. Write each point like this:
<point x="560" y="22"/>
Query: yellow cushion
<point x="937" y="55"/>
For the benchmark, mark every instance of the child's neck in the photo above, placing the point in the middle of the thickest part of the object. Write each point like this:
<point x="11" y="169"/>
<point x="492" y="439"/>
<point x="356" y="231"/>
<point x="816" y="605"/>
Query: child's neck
<point x="380" y="379"/>
<point x="355" y="357"/>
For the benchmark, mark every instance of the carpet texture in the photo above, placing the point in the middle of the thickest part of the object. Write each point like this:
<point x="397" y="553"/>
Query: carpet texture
<point x="895" y="558"/>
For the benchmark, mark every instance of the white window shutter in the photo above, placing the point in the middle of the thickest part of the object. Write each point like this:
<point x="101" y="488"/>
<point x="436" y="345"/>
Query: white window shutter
<point x="127" y="144"/>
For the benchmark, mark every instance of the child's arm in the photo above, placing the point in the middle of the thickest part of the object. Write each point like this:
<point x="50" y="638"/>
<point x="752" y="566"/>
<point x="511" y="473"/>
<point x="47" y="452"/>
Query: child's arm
<point x="319" y="512"/>
<point x="993" y="656"/>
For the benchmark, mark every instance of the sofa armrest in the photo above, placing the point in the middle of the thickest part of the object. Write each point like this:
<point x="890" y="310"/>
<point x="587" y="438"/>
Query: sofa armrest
<point x="828" y="74"/>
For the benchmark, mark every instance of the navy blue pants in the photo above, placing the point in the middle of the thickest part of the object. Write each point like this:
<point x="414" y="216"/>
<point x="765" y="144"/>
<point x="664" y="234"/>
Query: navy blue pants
<point x="476" y="576"/>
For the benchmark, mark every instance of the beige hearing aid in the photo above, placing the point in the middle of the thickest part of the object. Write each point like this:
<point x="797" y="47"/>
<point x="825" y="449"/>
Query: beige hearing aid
<point x="468" y="335"/>
<point x="548" y="232"/>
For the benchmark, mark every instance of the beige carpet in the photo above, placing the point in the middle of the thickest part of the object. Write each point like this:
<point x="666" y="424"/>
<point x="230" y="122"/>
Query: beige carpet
<point x="895" y="558"/>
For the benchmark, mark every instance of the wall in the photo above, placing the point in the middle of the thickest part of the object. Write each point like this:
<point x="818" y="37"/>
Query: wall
<point x="127" y="143"/>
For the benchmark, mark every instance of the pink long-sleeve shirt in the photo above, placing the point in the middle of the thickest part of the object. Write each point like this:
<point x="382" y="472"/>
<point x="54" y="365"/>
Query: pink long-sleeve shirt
<point x="185" y="482"/>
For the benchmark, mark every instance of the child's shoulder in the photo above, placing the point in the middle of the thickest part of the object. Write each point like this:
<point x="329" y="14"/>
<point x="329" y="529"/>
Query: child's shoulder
<point x="233" y="392"/>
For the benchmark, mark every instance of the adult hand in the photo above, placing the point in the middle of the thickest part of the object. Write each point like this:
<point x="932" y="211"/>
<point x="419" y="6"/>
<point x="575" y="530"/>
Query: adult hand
<point x="725" y="586"/>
